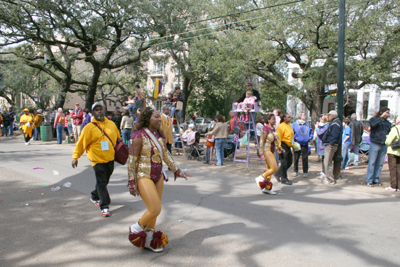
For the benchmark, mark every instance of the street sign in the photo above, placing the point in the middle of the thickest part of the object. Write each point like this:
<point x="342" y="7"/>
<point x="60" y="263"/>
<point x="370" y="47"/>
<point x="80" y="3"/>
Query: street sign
<point x="2" y="79"/>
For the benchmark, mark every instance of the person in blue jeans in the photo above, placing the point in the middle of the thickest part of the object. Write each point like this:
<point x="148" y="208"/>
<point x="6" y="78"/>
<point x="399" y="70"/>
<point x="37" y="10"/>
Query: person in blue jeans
<point x="126" y="127"/>
<point x="221" y="134"/>
<point x="380" y="127"/>
<point x="303" y="134"/>
<point x="346" y="143"/>
<point x="179" y="97"/>
<point x="59" y="121"/>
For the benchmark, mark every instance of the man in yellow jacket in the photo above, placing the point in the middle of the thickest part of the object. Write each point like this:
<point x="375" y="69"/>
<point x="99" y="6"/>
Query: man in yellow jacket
<point x="26" y="122"/>
<point x="166" y="127"/>
<point x="95" y="139"/>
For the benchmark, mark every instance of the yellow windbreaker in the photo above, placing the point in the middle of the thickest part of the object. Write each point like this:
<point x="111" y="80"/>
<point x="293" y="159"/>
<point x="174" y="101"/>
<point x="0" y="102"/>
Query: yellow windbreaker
<point x="91" y="138"/>
<point x="285" y="133"/>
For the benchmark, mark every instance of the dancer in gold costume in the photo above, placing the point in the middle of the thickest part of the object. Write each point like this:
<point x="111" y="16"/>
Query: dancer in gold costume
<point x="146" y="178"/>
<point x="268" y="141"/>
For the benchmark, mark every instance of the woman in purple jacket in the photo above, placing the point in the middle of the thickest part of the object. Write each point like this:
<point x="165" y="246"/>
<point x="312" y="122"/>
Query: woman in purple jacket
<point x="320" y="129"/>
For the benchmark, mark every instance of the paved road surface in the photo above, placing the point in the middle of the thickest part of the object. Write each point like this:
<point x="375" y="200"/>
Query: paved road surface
<point x="217" y="218"/>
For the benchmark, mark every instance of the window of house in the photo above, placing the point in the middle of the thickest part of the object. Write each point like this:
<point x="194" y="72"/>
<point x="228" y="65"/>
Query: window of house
<point x="109" y="103"/>
<point x="159" y="105"/>
<point x="159" y="67"/>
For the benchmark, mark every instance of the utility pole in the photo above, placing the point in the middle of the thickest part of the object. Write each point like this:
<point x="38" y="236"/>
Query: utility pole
<point x="340" y="80"/>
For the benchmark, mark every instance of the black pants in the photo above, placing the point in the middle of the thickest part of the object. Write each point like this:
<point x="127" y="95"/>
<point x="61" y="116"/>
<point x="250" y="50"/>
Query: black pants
<point x="304" y="157"/>
<point x="103" y="173"/>
<point x="286" y="161"/>
<point x="27" y="138"/>
<point x="169" y="147"/>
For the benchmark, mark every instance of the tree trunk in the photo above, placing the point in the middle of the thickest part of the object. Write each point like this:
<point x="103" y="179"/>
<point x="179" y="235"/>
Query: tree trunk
<point x="62" y="96"/>
<point x="186" y="92"/>
<point x="92" y="88"/>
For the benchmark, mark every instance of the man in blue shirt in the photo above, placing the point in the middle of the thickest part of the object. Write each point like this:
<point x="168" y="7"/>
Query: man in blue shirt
<point x="380" y="127"/>
<point x="346" y="144"/>
<point x="302" y="135"/>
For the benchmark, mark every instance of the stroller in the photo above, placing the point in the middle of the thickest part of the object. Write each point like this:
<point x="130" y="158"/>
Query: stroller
<point x="196" y="150"/>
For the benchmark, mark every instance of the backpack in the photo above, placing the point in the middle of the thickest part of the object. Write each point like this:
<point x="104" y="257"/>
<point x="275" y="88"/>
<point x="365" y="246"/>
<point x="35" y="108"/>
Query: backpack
<point x="61" y="120"/>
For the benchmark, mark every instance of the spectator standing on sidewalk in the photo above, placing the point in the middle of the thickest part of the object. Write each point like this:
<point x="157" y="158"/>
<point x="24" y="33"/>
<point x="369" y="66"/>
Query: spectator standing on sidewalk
<point x="77" y="119"/>
<point x="6" y="123"/>
<point x="346" y="144"/>
<point x="285" y="133"/>
<point x="100" y="151"/>
<point x="303" y="134"/>
<point x="221" y="134"/>
<point x="117" y="119"/>
<point x="179" y="97"/>
<point x="166" y="127"/>
<point x="59" y="122"/>
<point x="394" y="157"/>
<point x="357" y="130"/>
<point x="320" y="129"/>
<point x="12" y="118"/>
<point x="126" y="126"/>
<point x="380" y="127"/>
<point x="37" y="122"/>
<point x="331" y="140"/>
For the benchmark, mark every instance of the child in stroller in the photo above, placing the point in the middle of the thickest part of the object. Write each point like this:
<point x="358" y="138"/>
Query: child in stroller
<point x="193" y="140"/>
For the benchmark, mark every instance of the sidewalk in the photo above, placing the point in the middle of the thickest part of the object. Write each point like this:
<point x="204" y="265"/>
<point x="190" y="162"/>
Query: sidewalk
<point x="353" y="178"/>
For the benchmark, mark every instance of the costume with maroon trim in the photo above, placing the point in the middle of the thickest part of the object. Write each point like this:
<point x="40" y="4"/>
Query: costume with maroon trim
<point x="148" y="165"/>
<point x="267" y="148"/>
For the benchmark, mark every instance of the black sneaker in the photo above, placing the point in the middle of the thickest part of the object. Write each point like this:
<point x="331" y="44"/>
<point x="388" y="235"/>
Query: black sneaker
<point x="277" y="178"/>
<point x="286" y="182"/>
<point x="370" y="184"/>
<point x="377" y="183"/>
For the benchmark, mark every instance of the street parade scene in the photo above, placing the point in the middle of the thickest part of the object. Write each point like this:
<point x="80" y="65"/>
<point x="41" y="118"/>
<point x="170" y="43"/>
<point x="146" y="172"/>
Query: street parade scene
<point x="228" y="133"/>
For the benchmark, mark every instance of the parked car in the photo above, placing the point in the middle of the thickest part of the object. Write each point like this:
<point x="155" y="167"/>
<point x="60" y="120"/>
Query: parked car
<point x="201" y="125"/>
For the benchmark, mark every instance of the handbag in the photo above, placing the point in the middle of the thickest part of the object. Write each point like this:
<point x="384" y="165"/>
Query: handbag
<point x="121" y="149"/>
<point x="396" y="145"/>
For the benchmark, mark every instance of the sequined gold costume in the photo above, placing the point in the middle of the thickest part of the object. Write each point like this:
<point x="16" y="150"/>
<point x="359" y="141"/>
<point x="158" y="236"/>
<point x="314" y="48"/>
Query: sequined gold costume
<point x="148" y="164"/>
<point x="267" y="147"/>
<point x="145" y="175"/>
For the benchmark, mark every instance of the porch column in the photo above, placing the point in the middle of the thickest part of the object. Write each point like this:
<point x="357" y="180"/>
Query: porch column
<point x="360" y="105"/>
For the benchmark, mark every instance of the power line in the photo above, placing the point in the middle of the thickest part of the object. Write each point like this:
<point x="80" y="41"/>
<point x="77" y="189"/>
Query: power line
<point x="182" y="33"/>
<point x="215" y="32"/>
<point x="229" y="23"/>
<point x="238" y="13"/>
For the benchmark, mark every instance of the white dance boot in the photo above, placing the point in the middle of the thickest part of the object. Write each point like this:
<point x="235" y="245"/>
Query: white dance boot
<point x="149" y="238"/>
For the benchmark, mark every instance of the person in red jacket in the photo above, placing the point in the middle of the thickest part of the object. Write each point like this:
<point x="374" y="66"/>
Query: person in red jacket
<point x="77" y="119"/>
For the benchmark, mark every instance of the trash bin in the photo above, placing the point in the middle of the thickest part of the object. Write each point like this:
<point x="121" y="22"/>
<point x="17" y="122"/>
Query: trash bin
<point x="46" y="133"/>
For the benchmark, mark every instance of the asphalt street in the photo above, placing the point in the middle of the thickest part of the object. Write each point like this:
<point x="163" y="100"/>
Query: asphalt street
<point x="218" y="217"/>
